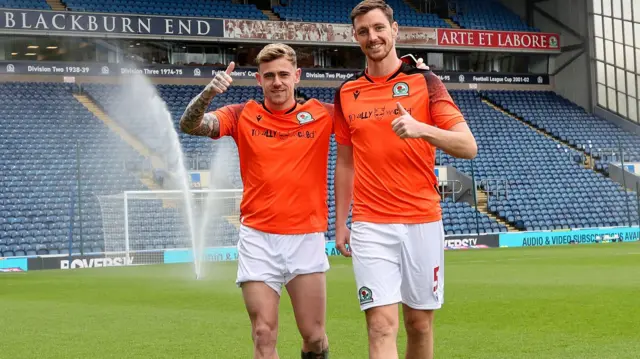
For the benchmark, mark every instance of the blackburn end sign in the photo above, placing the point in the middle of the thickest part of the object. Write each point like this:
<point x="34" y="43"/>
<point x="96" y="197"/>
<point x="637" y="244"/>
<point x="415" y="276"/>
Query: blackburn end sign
<point x="52" y="21"/>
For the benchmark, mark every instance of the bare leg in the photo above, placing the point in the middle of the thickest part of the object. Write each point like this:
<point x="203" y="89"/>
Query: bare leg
<point x="382" y="327"/>
<point x="419" y="326"/>
<point x="262" y="304"/>
<point x="309" y="300"/>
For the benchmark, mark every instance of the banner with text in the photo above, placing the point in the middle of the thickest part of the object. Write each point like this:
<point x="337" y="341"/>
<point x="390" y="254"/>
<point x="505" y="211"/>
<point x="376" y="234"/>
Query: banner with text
<point x="95" y="260"/>
<point x="176" y="71"/>
<point x="471" y="241"/>
<point x="119" y="25"/>
<point x="482" y="39"/>
<point x="11" y="265"/>
<point x="316" y="32"/>
<point x="260" y="30"/>
<point x="104" y="23"/>
<point x="578" y="236"/>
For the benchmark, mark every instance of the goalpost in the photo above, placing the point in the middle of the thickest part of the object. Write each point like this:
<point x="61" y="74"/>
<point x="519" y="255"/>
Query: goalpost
<point x="140" y="226"/>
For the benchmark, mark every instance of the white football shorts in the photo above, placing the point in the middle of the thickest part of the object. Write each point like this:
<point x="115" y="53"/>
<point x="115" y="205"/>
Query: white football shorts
<point x="399" y="263"/>
<point x="276" y="259"/>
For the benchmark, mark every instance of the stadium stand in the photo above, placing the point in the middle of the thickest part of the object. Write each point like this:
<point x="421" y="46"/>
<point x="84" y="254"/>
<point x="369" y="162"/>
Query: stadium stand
<point x="317" y="11"/>
<point x="570" y="123"/>
<point x="461" y="220"/>
<point x="197" y="150"/>
<point x="488" y="15"/>
<point x="25" y="4"/>
<point x="40" y="125"/>
<point x="530" y="178"/>
<point x="545" y="185"/>
<point x="548" y="187"/>
<point x="458" y="217"/>
<point x="197" y="8"/>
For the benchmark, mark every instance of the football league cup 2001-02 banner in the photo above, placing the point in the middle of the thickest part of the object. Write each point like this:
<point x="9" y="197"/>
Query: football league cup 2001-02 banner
<point x="49" y="23"/>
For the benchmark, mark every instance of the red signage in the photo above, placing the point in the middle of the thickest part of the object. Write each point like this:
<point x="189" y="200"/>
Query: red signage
<point x="498" y="39"/>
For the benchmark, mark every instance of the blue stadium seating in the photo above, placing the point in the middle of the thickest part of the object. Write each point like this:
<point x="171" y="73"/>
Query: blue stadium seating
<point x="548" y="187"/>
<point x="199" y="149"/>
<point x="458" y="217"/>
<point x="541" y="191"/>
<point x="317" y="11"/>
<point x="25" y="4"/>
<point x="572" y="124"/>
<point x="40" y="126"/>
<point x="476" y="14"/>
<point x="488" y="15"/>
<point x="204" y="8"/>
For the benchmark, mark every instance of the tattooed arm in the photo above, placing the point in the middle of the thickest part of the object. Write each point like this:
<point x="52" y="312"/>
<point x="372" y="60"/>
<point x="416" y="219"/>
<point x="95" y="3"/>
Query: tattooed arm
<point x="194" y="120"/>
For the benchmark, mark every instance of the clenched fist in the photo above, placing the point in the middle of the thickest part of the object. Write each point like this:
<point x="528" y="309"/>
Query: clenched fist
<point x="406" y="126"/>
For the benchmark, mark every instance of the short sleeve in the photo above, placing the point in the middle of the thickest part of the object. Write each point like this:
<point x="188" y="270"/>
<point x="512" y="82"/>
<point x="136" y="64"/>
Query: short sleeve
<point x="443" y="111"/>
<point x="341" y="127"/>
<point x="228" y="118"/>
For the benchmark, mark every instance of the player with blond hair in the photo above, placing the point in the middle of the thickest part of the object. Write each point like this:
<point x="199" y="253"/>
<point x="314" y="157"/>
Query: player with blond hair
<point x="283" y="147"/>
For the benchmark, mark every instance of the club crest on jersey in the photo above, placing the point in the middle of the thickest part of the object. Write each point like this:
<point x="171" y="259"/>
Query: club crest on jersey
<point x="365" y="295"/>
<point x="304" y="117"/>
<point x="400" y="89"/>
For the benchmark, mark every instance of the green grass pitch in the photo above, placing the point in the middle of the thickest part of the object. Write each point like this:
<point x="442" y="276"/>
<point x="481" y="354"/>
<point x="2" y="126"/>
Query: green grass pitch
<point x="552" y="302"/>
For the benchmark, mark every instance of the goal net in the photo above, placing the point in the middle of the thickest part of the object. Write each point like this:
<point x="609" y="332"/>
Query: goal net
<point x="140" y="226"/>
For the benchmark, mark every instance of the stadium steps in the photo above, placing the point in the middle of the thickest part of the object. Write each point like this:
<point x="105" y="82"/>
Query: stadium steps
<point x="500" y="109"/>
<point x="544" y="133"/>
<point x="156" y="162"/>
<point x="412" y="6"/>
<point x="57" y="5"/>
<point x="271" y="15"/>
<point x="483" y="207"/>
<point x="452" y="23"/>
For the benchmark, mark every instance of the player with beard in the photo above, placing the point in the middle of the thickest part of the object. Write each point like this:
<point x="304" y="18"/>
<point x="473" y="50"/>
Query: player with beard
<point x="389" y="121"/>
<point x="283" y="148"/>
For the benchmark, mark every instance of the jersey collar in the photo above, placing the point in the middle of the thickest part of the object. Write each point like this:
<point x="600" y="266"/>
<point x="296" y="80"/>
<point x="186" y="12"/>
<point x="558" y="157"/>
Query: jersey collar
<point x="275" y="112"/>
<point x="385" y="78"/>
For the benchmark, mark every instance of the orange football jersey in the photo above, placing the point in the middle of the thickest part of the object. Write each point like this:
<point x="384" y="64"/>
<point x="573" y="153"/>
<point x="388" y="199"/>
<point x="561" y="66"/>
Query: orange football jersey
<point x="395" y="181"/>
<point x="283" y="164"/>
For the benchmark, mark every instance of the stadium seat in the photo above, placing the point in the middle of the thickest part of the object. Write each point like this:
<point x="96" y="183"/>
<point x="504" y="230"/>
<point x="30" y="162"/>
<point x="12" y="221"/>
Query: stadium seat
<point x="25" y="4"/>
<point x="487" y="15"/>
<point x="565" y="120"/>
<point x="317" y="11"/>
<point x="195" y="8"/>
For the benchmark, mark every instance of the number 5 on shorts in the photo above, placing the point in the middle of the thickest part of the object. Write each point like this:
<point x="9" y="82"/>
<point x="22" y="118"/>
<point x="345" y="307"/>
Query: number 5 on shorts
<point x="435" y="278"/>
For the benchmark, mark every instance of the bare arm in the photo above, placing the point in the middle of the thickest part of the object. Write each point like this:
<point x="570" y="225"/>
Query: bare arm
<point x="458" y="141"/>
<point x="450" y="132"/>
<point x="195" y="121"/>
<point x="343" y="183"/>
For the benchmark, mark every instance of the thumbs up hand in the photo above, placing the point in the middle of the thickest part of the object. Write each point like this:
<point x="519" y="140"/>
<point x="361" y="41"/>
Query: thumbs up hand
<point x="222" y="81"/>
<point x="406" y="126"/>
